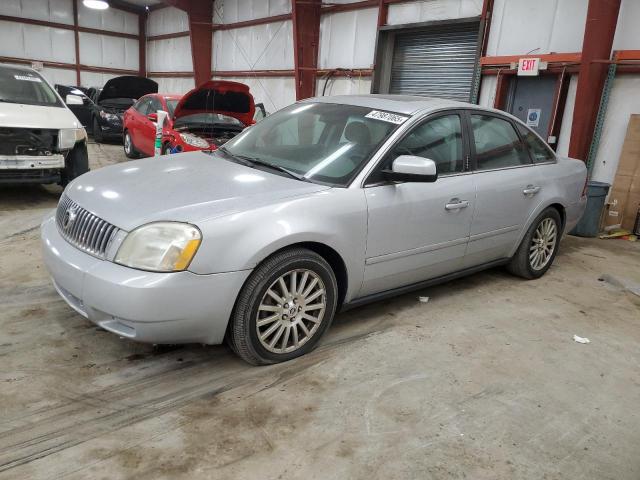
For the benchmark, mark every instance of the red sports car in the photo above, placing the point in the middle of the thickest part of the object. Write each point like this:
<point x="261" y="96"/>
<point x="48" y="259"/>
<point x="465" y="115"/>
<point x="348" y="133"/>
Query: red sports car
<point x="203" y="119"/>
<point x="139" y="123"/>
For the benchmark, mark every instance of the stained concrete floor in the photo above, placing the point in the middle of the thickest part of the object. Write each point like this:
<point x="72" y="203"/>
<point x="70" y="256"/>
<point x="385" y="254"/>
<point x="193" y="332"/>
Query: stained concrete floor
<point x="482" y="382"/>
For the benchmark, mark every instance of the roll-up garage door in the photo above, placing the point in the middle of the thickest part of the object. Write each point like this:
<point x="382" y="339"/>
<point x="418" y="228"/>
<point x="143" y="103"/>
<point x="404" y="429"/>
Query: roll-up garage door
<point x="437" y="62"/>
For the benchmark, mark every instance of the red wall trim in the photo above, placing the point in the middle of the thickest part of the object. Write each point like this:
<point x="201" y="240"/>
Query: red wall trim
<point x="171" y="74"/>
<point x="66" y="26"/>
<point x="68" y="66"/>
<point x="346" y="7"/>
<point x="621" y="55"/>
<point x="546" y="57"/>
<point x="250" y="23"/>
<point x="383" y="13"/>
<point x="367" y="72"/>
<point x="253" y="73"/>
<point x="167" y="36"/>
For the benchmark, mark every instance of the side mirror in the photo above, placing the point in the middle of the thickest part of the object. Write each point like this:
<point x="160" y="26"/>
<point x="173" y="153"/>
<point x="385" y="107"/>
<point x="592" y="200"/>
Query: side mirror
<point x="73" y="100"/>
<point x="409" y="168"/>
<point x="153" y="117"/>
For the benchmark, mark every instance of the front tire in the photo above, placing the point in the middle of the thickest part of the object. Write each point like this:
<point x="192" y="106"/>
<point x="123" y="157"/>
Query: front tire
<point x="539" y="246"/>
<point x="76" y="163"/>
<point x="284" y="308"/>
<point x="97" y="132"/>
<point x="129" y="148"/>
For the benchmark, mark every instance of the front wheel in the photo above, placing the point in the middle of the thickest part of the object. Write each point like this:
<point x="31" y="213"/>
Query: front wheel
<point x="76" y="163"/>
<point x="129" y="149"/>
<point x="539" y="246"/>
<point x="284" y="308"/>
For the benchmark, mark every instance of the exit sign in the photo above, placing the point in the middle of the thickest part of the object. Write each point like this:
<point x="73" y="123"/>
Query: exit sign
<point x="528" y="67"/>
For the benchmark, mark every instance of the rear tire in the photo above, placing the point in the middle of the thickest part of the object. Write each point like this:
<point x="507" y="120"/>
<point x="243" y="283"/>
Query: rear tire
<point x="76" y="163"/>
<point x="129" y="148"/>
<point x="284" y="308"/>
<point x="539" y="246"/>
<point x="97" y="132"/>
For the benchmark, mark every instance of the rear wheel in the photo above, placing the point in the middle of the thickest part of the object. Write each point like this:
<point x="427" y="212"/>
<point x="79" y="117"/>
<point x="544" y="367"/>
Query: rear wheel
<point x="129" y="149"/>
<point x="539" y="246"/>
<point x="97" y="132"/>
<point x="284" y="308"/>
<point x="166" y="148"/>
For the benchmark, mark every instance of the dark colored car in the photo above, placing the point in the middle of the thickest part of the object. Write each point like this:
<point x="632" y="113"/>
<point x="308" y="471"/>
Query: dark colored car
<point x="117" y="95"/>
<point x="140" y="123"/>
<point x="82" y="111"/>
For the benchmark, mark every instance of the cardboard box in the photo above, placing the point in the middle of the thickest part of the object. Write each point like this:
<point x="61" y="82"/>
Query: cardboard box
<point x="624" y="197"/>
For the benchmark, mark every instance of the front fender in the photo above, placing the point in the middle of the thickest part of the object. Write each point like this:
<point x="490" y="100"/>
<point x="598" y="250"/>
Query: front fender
<point x="336" y="218"/>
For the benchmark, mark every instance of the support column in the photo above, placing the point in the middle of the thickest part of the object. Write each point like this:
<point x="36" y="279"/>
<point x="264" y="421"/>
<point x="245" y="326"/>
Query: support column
<point x="383" y="13"/>
<point x="200" y="14"/>
<point x="602" y="17"/>
<point x="306" y="38"/>
<point x="76" y="36"/>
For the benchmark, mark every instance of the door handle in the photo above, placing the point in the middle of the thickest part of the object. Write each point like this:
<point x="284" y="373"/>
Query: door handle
<point x="531" y="190"/>
<point x="456" y="204"/>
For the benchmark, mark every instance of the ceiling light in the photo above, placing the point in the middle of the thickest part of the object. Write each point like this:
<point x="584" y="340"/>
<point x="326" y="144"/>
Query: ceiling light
<point x="96" y="4"/>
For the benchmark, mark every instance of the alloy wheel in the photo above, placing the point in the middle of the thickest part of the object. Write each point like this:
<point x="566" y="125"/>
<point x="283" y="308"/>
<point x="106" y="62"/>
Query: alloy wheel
<point x="291" y="311"/>
<point x="543" y="244"/>
<point x="127" y="143"/>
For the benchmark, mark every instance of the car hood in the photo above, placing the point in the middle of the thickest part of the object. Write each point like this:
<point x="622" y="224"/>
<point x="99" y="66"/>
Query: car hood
<point x="188" y="187"/>
<point x="127" y="86"/>
<point x="218" y="96"/>
<point x="36" y="116"/>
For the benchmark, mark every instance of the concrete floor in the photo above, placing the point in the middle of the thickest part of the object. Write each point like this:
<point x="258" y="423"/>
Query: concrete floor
<point x="482" y="382"/>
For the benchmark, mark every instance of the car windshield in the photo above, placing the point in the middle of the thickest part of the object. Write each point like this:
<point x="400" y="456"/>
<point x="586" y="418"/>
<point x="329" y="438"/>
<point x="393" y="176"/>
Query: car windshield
<point x="322" y="142"/>
<point x="209" y="119"/>
<point x="26" y="87"/>
<point x="171" y="105"/>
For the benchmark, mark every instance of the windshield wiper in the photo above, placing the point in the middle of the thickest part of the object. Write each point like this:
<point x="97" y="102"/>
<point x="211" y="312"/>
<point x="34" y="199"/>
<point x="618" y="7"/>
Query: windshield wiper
<point x="256" y="161"/>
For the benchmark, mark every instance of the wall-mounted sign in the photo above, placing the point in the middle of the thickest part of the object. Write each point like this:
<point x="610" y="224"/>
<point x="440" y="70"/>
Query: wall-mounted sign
<point x="533" y="117"/>
<point x="528" y="67"/>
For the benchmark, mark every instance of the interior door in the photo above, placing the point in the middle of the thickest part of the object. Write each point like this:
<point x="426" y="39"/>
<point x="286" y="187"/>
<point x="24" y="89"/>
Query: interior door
<point x="418" y="231"/>
<point x="507" y="186"/>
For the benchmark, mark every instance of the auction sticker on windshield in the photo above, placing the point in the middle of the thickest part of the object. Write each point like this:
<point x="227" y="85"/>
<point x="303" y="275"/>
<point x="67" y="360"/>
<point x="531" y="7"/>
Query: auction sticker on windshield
<point x="386" y="117"/>
<point x="26" y="78"/>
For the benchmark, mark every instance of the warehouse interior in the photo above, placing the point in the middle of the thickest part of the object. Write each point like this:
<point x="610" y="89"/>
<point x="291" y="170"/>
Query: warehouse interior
<point x="485" y="376"/>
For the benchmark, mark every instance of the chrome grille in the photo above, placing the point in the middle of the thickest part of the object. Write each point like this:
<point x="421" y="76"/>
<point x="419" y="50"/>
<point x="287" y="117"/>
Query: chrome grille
<point x="83" y="229"/>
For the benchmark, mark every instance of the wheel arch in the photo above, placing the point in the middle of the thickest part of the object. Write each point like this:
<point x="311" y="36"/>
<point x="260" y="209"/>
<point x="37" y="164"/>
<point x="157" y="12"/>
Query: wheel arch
<point x="556" y="204"/>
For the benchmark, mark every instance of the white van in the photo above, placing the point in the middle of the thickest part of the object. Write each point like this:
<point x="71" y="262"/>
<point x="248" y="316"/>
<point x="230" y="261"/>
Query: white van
<point x="41" y="140"/>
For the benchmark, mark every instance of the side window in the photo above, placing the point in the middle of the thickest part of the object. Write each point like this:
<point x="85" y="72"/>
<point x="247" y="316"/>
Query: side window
<point x="155" y="105"/>
<point x="539" y="151"/>
<point x="497" y="143"/>
<point x="143" y="106"/>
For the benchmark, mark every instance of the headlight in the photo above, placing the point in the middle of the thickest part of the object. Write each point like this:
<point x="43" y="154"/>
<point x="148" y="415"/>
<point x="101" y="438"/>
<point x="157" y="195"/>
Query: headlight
<point x="160" y="247"/>
<point x="109" y="117"/>
<point x="67" y="137"/>
<point x="194" y="141"/>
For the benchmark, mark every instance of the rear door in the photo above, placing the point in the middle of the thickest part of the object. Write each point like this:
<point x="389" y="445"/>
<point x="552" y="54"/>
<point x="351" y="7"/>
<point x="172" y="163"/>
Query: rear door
<point x="507" y="186"/>
<point x="418" y="231"/>
<point x="148" y="128"/>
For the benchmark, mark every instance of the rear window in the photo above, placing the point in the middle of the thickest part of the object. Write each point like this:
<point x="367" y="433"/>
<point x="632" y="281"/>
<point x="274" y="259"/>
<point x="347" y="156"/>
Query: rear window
<point x="540" y="152"/>
<point x="26" y="87"/>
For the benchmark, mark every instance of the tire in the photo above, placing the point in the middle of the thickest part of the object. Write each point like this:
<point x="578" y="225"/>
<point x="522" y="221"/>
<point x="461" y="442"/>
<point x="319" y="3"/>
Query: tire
<point x="533" y="258"/>
<point x="253" y="301"/>
<point x="97" y="132"/>
<point x="129" y="148"/>
<point x="166" y="149"/>
<point x="76" y="163"/>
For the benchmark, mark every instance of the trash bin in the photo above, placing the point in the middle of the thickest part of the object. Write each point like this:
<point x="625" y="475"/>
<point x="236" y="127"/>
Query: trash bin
<point x="589" y="224"/>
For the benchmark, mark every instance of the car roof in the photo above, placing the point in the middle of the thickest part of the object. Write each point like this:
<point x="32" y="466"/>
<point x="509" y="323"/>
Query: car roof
<point x="404" y="104"/>
<point x="17" y="67"/>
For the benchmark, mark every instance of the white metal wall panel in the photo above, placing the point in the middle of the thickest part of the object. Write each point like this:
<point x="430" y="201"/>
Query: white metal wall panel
<point x="427" y="11"/>
<point x="627" y="37"/>
<point x="344" y="86"/>
<point x="167" y="20"/>
<point x="60" y="11"/>
<point x="542" y="26"/>
<point x="94" y="79"/>
<point x="259" y="47"/>
<point x="348" y="39"/>
<point x="36" y="42"/>
<point x="487" y="96"/>
<point x="274" y="92"/>
<point x="178" y="86"/>
<point x="106" y="51"/>
<point x="567" y="118"/>
<point x="110" y="19"/>
<point x="170" y="55"/>
<point x="231" y="11"/>
<point x="624" y="101"/>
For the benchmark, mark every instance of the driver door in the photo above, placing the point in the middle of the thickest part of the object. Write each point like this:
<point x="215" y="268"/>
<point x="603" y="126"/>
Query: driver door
<point x="419" y="231"/>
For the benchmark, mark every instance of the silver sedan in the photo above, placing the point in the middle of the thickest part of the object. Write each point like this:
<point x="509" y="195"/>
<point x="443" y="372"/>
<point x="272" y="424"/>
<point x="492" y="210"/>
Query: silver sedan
<point x="327" y="204"/>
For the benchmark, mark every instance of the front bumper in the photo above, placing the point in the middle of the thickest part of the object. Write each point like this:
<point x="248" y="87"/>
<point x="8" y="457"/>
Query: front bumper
<point x="180" y="307"/>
